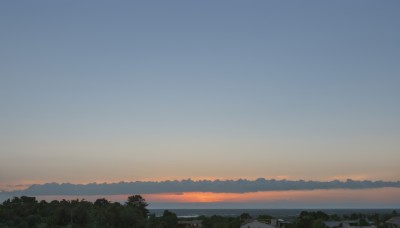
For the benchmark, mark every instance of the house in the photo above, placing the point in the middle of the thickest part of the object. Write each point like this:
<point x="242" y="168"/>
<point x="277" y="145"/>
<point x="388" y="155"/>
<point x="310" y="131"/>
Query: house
<point x="394" y="222"/>
<point x="188" y="224"/>
<point x="256" y="224"/>
<point x="332" y="224"/>
<point x="280" y="223"/>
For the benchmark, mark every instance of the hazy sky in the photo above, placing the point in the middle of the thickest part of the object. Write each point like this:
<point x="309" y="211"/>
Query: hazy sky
<point x="149" y="90"/>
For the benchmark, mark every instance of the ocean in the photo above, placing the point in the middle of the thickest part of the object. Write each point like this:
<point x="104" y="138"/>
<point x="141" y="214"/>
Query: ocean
<point x="277" y="213"/>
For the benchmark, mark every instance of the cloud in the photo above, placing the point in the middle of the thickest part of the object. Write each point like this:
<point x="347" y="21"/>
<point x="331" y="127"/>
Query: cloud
<point x="216" y="186"/>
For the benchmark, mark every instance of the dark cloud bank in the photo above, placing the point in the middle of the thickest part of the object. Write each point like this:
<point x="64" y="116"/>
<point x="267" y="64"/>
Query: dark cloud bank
<point x="218" y="186"/>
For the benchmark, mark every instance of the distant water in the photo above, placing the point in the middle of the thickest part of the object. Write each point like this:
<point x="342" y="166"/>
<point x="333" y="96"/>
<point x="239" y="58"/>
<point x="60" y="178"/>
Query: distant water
<point x="278" y="213"/>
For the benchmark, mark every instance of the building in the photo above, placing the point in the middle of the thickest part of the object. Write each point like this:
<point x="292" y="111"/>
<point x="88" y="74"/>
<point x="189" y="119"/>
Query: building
<point x="394" y="222"/>
<point x="256" y="224"/>
<point x="188" y="224"/>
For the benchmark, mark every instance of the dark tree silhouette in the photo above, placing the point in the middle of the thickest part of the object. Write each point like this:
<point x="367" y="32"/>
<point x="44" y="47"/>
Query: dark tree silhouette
<point x="169" y="220"/>
<point x="138" y="202"/>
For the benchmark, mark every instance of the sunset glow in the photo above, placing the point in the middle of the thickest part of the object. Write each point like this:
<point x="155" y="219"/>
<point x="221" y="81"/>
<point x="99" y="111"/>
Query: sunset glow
<point x="315" y="198"/>
<point x="371" y="195"/>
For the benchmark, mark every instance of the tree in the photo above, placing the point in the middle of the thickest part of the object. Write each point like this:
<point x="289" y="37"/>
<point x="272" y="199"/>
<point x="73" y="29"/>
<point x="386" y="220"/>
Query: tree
<point x="169" y="219"/>
<point x="80" y="213"/>
<point x="153" y="221"/>
<point x="265" y="218"/>
<point x="138" y="202"/>
<point x="101" y="202"/>
<point x="245" y="216"/>
<point x="363" y="222"/>
<point x="62" y="216"/>
<point x="113" y="214"/>
<point x="28" y="212"/>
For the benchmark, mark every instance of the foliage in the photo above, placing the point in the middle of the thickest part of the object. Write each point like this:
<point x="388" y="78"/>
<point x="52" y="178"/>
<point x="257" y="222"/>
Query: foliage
<point x="138" y="202"/>
<point x="220" y="222"/>
<point x="169" y="220"/>
<point x="28" y="212"/>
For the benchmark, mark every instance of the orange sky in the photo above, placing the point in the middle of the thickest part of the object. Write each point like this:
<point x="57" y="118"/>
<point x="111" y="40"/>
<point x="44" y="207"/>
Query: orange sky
<point x="378" y="195"/>
<point x="382" y="197"/>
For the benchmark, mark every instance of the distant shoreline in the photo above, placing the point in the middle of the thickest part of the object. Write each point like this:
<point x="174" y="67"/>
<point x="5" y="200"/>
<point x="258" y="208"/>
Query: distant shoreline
<point x="281" y="213"/>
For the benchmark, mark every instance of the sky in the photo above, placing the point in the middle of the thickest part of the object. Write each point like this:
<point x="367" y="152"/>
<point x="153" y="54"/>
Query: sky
<point x="383" y="198"/>
<point x="109" y="91"/>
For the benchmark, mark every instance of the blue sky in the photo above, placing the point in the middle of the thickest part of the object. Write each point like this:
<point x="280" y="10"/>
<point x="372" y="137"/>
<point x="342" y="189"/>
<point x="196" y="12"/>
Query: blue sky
<point x="109" y="91"/>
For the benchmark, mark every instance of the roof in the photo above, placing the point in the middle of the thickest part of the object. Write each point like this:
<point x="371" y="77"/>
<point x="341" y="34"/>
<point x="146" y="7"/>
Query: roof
<point x="332" y="223"/>
<point x="394" y="220"/>
<point x="191" y="222"/>
<point x="256" y="223"/>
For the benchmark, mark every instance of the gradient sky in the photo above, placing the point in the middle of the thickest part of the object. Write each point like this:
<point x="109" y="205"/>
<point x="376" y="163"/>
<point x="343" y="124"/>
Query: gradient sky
<point x="94" y="91"/>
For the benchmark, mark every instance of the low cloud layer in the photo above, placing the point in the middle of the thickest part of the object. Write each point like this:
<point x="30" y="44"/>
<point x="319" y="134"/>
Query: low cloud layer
<point x="217" y="186"/>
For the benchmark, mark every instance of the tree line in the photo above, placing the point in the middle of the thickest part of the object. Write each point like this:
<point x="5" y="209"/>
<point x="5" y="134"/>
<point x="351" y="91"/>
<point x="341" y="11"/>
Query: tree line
<point x="26" y="212"/>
